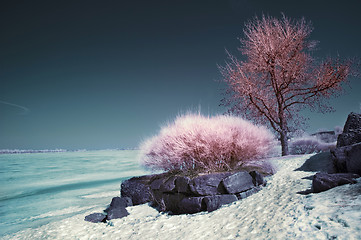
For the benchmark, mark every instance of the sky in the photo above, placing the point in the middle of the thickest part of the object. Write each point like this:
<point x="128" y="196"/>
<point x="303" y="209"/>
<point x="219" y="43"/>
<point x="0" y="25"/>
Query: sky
<point x="108" y="74"/>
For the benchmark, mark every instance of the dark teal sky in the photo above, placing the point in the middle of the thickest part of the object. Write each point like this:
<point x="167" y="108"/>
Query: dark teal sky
<point x="106" y="74"/>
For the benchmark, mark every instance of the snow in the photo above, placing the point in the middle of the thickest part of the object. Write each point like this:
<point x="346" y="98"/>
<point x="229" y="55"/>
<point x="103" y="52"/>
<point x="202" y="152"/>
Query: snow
<point x="276" y="212"/>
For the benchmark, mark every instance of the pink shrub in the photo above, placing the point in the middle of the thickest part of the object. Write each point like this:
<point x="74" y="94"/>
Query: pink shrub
<point x="206" y="143"/>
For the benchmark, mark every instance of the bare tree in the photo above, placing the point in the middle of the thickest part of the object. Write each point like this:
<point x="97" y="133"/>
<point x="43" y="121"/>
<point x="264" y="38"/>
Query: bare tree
<point x="279" y="76"/>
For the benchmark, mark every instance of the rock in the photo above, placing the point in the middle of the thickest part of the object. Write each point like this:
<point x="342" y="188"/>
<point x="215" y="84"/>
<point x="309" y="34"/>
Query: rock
<point x="119" y="202"/>
<point x="247" y="193"/>
<point x="180" y="194"/>
<point x="182" y="185"/>
<point x="257" y="178"/>
<point x="138" y="189"/>
<point x="168" y="185"/>
<point x="349" y="138"/>
<point x="238" y="182"/>
<point x="117" y="213"/>
<point x="324" y="181"/>
<point x="190" y="205"/>
<point x="155" y="185"/>
<point x="353" y="122"/>
<point x="171" y="202"/>
<point x="214" y="202"/>
<point x="208" y="184"/>
<point x="348" y="158"/>
<point x="351" y="131"/>
<point x="353" y="162"/>
<point x="96" y="217"/>
<point x="320" y="162"/>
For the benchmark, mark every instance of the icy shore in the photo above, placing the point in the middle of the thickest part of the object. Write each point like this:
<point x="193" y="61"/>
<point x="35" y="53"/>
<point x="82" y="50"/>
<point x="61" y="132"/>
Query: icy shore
<point x="276" y="212"/>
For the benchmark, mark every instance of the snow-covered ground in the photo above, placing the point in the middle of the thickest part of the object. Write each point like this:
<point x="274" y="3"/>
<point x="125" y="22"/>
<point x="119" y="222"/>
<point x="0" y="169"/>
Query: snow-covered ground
<point x="276" y="212"/>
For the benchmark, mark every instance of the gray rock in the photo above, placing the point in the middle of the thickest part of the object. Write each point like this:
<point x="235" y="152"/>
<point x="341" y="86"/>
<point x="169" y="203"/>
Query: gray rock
<point x="247" y="193"/>
<point x="325" y="181"/>
<point x="138" y="189"/>
<point x="214" y="202"/>
<point x="155" y="185"/>
<point x="348" y="138"/>
<point x="208" y="184"/>
<point x="351" y="131"/>
<point x="190" y="205"/>
<point x="168" y="185"/>
<point x="353" y="162"/>
<point x="238" y="182"/>
<point x="339" y="156"/>
<point x="353" y="122"/>
<point x="95" y="217"/>
<point x="117" y="213"/>
<point x="257" y="178"/>
<point x="348" y="158"/>
<point x="171" y="202"/>
<point x="321" y="162"/>
<point x="182" y="185"/>
<point x="119" y="202"/>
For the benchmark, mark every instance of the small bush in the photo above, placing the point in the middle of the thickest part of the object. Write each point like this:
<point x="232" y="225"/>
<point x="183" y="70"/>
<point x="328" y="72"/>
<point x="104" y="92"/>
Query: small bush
<point x="308" y="144"/>
<point x="195" y="142"/>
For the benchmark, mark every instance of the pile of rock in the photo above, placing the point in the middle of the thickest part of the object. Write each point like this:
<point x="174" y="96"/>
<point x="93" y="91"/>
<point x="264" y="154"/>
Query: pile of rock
<point x="346" y="158"/>
<point x="179" y="194"/>
<point x="116" y="209"/>
<point x="347" y="155"/>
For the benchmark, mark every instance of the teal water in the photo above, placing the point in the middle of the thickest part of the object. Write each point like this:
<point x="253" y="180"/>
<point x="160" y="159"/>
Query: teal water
<point x="38" y="188"/>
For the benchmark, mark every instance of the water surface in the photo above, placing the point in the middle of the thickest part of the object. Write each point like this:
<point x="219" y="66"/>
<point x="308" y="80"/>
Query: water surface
<point x="38" y="188"/>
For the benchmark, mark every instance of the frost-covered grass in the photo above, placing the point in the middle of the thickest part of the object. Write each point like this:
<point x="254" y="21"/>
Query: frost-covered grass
<point x="276" y="212"/>
<point x="310" y="144"/>
<point x="206" y="143"/>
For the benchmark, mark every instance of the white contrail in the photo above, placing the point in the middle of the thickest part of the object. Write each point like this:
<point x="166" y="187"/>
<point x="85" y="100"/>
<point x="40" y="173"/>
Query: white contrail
<point x="25" y="109"/>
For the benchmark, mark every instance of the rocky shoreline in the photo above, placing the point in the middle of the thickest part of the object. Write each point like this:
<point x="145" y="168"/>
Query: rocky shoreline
<point x="180" y="194"/>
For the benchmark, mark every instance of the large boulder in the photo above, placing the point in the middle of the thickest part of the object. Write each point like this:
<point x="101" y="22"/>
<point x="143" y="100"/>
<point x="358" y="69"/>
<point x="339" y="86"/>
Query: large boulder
<point x="353" y="122"/>
<point x="208" y="184"/>
<point x="216" y="201"/>
<point x="257" y="178"/>
<point x="348" y="158"/>
<point x="339" y="156"/>
<point x="351" y="131"/>
<point x="321" y="162"/>
<point x="347" y="155"/>
<point x="348" y="138"/>
<point x="191" y="205"/>
<point x="170" y="202"/>
<point x="182" y="185"/>
<point x="325" y="181"/>
<point x="168" y="185"/>
<point x="138" y="189"/>
<point x="353" y="162"/>
<point x="238" y="182"/>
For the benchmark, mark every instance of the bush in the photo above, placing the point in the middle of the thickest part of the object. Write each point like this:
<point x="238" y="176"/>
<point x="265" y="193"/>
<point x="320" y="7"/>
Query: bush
<point x="195" y="142"/>
<point x="308" y="144"/>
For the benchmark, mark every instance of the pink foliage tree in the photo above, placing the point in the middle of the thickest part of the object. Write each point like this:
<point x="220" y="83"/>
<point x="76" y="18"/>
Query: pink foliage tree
<point x="279" y="76"/>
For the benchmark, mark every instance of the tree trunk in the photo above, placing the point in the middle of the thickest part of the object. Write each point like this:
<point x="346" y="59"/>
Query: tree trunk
<point x="284" y="143"/>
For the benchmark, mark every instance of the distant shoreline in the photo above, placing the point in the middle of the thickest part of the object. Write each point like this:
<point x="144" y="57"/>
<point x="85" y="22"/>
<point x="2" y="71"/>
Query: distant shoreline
<point x="18" y="151"/>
